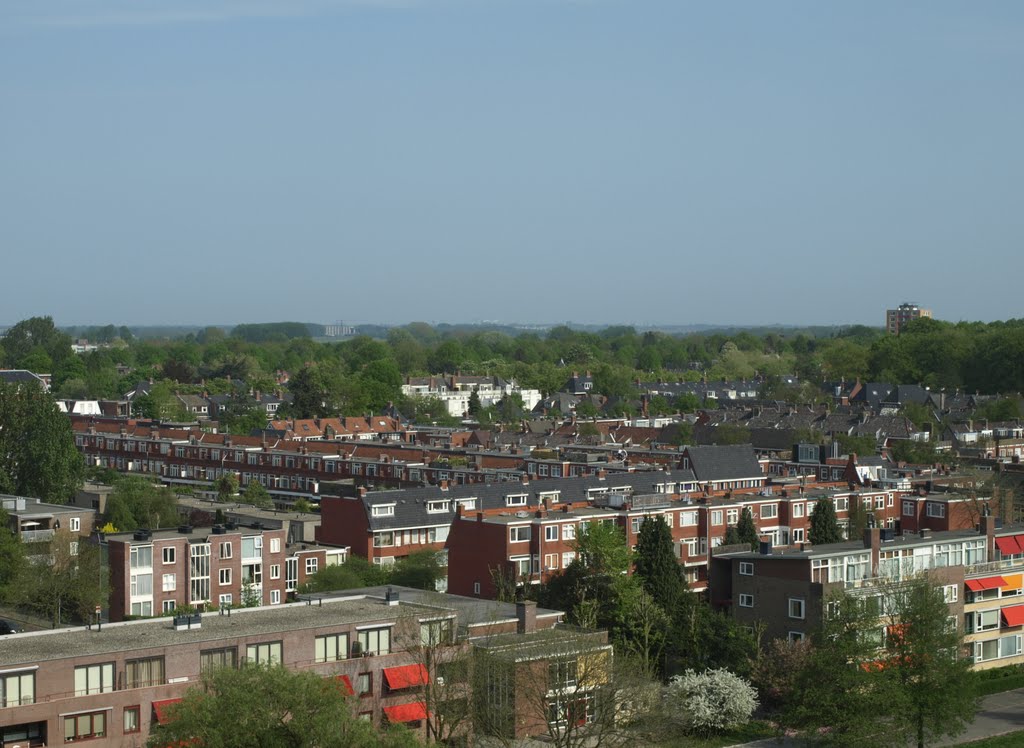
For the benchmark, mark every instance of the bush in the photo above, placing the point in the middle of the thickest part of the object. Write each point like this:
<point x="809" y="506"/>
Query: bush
<point x="710" y="702"/>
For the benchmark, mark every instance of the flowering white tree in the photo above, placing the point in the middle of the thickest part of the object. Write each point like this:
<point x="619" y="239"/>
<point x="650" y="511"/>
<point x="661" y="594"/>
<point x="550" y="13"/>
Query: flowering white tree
<point x="710" y="702"/>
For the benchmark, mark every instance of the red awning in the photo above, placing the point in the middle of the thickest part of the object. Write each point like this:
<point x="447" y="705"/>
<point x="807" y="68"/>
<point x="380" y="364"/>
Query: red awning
<point x="346" y="683"/>
<point x="406" y="712"/>
<point x="986" y="583"/>
<point x="1008" y="546"/>
<point x="160" y="709"/>
<point x="406" y="676"/>
<point x="1014" y="615"/>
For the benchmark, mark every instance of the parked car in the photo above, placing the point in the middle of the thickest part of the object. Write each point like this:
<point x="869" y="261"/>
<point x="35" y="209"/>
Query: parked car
<point x="6" y="627"/>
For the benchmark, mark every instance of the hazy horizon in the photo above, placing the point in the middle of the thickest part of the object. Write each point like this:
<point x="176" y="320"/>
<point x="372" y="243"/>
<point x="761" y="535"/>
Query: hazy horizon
<point x="660" y="161"/>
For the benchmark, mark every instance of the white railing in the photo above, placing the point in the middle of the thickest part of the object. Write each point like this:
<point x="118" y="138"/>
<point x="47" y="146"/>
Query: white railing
<point x="36" y="536"/>
<point x="987" y="568"/>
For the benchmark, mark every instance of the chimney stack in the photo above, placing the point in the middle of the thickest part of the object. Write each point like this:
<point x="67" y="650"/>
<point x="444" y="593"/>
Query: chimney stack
<point x="526" y="616"/>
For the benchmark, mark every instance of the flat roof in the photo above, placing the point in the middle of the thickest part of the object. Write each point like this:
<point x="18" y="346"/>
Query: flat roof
<point x="155" y="633"/>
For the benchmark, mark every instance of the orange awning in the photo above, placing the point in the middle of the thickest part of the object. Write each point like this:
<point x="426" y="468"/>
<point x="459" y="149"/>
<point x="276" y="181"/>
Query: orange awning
<point x="1008" y="546"/>
<point x="160" y="709"/>
<point x="406" y="712"/>
<point x="346" y="683"/>
<point x="406" y="676"/>
<point x="987" y="583"/>
<point x="1014" y="615"/>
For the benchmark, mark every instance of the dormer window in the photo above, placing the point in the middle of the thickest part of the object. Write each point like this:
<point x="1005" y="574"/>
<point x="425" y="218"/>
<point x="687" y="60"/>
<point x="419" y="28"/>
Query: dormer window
<point x="435" y="507"/>
<point x="551" y="496"/>
<point x="518" y="499"/>
<point x="467" y="504"/>
<point x="383" y="510"/>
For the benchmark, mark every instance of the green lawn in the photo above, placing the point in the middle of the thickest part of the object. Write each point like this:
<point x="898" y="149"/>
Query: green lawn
<point x="1010" y="740"/>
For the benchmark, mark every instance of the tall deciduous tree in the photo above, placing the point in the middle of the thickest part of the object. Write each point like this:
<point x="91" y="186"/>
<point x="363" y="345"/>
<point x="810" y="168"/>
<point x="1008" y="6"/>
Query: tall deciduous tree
<point x="824" y="525"/>
<point x="38" y="457"/>
<point x="270" y="707"/>
<point x="62" y="583"/>
<point x="256" y="495"/>
<point x="35" y="337"/>
<point x="136" y="502"/>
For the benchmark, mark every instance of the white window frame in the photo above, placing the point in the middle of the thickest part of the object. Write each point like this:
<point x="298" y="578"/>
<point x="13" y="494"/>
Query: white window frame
<point x="797" y="608"/>
<point x="746" y="600"/>
<point x="519" y="534"/>
<point x="747" y="568"/>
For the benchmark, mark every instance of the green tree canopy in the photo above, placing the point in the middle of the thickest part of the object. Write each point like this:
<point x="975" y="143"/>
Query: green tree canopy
<point x="824" y="524"/>
<point x="256" y="495"/>
<point x="38" y="457"/>
<point x="137" y="502"/>
<point x="656" y="564"/>
<point x="270" y="707"/>
<point x="746" y="530"/>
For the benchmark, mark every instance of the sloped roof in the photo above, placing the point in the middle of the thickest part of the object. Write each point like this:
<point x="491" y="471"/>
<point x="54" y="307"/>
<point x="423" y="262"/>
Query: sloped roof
<point x="724" y="462"/>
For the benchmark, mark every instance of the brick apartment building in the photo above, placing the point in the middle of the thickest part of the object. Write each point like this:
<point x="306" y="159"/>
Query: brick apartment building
<point x="36" y="521"/>
<point x="110" y="685"/>
<point x="154" y="572"/>
<point x="981" y="572"/>
<point x="536" y="542"/>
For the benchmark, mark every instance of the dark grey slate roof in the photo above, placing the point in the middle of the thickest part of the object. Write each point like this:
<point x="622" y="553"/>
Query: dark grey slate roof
<point x="724" y="462"/>
<point x="411" y="503"/>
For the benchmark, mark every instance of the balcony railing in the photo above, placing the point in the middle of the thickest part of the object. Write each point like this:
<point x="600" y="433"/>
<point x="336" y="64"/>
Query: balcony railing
<point x="36" y="536"/>
<point x="988" y="568"/>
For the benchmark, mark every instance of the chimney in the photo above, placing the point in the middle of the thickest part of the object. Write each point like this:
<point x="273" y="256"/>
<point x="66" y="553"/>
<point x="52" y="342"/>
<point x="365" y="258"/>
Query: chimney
<point x="526" y="616"/>
<point x="444" y="485"/>
<point x="525" y="478"/>
<point x="479" y="516"/>
<point x="391" y="596"/>
<point x="873" y="538"/>
<point x="362" y="491"/>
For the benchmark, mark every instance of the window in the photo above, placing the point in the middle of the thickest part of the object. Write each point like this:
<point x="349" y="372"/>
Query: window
<point x="551" y="532"/>
<point x="842" y="503"/>
<point x="746" y="601"/>
<point x="908" y="508"/>
<point x="225" y="576"/>
<point x="562" y="674"/>
<point x="261" y="654"/>
<point x="796" y="636"/>
<point x="90" y="679"/>
<point x="435" y="507"/>
<point x="75" y="524"/>
<point x="143" y="673"/>
<point x="476" y="588"/>
<point x="568" y="532"/>
<point x="214" y="658"/>
<point x="168" y="606"/>
<point x="17" y="688"/>
<point x="796" y="607"/>
<point x="223" y="600"/>
<point x="982" y="620"/>
<point x="519" y="534"/>
<point x="383" y="539"/>
<point x="85" y="726"/>
<point x="131" y="722"/>
<point x="550" y="561"/>
<point x="798" y="509"/>
<point x="331" y="647"/>
<point x="312" y="564"/>
<point x="364" y="684"/>
<point x="375" y="641"/>
<point x="880" y="502"/>
<point x="225" y="550"/>
<point x="433" y="633"/>
<point x="747" y="568"/>
<point x="275" y="571"/>
<point x="383" y="510"/>
<point x="687" y="519"/>
<point x="275" y="597"/>
<point x="732" y="516"/>
<point x="993" y="649"/>
<point x="141" y="557"/>
<point x="716" y="517"/>
<point x="568" y="558"/>
<point x="950" y="593"/>
<point x="168" y="554"/>
<point x="518" y="499"/>
<point x="797" y="535"/>
<point x="275" y="545"/>
<point x="936" y="510"/>
<point x="170" y="582"/>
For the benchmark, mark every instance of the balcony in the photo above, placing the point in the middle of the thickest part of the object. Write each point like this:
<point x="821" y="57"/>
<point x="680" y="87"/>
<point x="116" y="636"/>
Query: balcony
<point x="36" y="536"/>
<point x="991" y="566"/>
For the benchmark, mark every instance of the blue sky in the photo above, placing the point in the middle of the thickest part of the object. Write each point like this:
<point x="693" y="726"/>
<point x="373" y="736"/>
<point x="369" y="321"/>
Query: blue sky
<point x="602" y="161"/>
